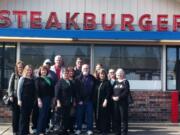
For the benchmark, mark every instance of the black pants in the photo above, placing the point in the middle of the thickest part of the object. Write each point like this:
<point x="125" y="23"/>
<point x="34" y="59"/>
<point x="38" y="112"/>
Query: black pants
<point x="35" y="114"/>
<point x="25" y="112"/>
<point x="66" y="118"/>
<point x="15" y="115"/>
<point x="102" y="119"/>
<point x="120" y="114"/>
<point x="43" y="115"/>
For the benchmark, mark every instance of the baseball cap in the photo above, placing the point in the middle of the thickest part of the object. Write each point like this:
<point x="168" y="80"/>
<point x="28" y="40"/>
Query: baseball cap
<point x="47" y="61"/>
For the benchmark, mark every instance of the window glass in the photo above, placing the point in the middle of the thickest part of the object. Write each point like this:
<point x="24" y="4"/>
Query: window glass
<point x="142" y="64"/>
<point x="9" y="62"/>
<point x="1" y="64"/>
<point x="171" y="64"/>
<point x="35" y="54"/>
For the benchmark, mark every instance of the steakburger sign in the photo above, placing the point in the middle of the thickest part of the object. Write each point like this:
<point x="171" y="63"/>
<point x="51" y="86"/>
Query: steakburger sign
<point x="89" y="21"/>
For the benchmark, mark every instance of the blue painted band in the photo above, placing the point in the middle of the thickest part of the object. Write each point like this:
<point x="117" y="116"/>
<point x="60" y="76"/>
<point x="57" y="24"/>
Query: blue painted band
<point x="89" y="34"/>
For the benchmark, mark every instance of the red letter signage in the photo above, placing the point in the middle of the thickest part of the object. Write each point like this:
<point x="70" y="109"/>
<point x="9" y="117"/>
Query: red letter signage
<point x="89" y="21"/>
<point x="162" y="24"/>
<point x="19" y="16"/>
<point x="35" y="18"/>
<point x="148" y="23"/>
<point x="70" y="21"/>
<point x="125" y="22"/>
<point x="104" y="25"/>
<point x="5" y="21"/>
<point x="176" y="24"/>
<point x="53" y="21"/>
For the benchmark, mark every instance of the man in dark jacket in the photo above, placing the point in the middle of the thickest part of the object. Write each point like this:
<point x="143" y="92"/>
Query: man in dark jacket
<point x="84" y="98"/>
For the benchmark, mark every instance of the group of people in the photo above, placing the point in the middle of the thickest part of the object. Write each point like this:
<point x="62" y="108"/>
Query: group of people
<point x="65" y="98"/>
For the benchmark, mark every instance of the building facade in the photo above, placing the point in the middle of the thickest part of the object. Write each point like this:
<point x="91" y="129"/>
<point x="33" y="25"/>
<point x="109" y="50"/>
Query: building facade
<point x="141" y="36"/>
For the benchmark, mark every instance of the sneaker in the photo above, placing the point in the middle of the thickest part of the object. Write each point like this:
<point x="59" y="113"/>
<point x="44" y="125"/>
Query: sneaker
<point x="78" y="132"/>
<point x="89" y="132"/>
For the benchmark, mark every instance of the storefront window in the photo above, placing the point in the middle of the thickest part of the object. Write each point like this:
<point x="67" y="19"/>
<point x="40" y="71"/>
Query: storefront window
<point x="142" y="64"/>
<point x="35" y="54"/>
<point x="1" y="63"/>
<point x="8" y="60"/>
<point x="171" y="64"/>
<point x="173" y="68"/>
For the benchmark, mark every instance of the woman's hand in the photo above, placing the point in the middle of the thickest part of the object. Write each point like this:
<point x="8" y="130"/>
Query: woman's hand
<point x="80" y="103"/>
<point x="104" y="103"/>
<point x="40" y="103"/>
<point x="19" y="103"/>
<point x="58" y="104"/>
<point x="115" y="98"/>
<point x="11" y="99"/>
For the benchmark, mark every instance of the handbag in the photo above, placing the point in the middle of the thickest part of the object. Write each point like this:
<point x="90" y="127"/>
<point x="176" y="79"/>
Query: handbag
<point x="6" y="100"/>
<point x="130" y="98"/>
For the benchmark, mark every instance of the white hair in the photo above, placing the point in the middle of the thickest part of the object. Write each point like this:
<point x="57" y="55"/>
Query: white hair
<point x="120" y="70"/>
<point x="84" y="70"/>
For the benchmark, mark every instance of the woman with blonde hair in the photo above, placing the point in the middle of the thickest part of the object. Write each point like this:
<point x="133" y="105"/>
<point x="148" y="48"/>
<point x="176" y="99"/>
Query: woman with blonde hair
<point x="26" y="97"/>
<point x="12" y="93"/>
<point x="120" y="102"/>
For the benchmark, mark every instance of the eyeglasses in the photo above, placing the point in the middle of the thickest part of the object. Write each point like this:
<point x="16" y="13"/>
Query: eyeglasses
<point x="111" y="72"/>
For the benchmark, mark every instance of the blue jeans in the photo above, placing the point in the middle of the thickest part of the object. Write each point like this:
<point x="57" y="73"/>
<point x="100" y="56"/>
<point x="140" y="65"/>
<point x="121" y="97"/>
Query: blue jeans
<point x="43" y="115"/>
<point x="87" y="109"/>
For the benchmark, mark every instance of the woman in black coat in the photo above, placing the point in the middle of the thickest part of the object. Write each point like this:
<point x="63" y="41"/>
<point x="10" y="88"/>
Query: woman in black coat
<point x="45" y="93"/>
<point x="120" y="102"/>
<point x="102" y="95"/>
<point x="65" y="98"/>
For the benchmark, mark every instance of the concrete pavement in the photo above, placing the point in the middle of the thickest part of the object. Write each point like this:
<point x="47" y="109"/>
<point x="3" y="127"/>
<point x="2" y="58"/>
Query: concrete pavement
<point x="134" y="129"/>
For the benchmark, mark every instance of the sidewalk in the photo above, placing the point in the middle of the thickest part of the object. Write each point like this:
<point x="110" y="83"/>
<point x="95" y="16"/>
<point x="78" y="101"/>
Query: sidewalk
<point x="134" y="129"/>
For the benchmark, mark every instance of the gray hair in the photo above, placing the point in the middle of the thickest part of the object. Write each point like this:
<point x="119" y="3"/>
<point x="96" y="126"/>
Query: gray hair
<point x="57" y="57"/>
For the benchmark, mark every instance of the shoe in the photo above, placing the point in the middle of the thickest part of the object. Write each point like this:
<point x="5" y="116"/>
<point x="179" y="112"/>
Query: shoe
<point x="89" y="132"/>
<point x="34" y="131"/>
<point x="15" y="133"/>
<point x="65" y="132"/>
<point x="78" y="132"/>
<point x="71" y="131"/>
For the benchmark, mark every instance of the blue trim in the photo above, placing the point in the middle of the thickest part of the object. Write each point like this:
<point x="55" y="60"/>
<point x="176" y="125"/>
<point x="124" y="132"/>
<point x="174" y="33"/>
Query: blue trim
<point x="89" y="34"/>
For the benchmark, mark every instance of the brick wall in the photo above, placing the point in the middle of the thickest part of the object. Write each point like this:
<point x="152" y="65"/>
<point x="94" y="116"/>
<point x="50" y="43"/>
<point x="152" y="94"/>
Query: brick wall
<point x="149" y="106"/>
<point x="5" y="113"/>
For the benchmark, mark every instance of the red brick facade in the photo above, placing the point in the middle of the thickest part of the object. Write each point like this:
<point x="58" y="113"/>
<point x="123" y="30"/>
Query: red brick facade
<point x="149" y="106"/>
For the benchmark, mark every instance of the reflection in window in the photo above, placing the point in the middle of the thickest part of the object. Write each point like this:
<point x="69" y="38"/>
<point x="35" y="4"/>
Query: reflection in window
<point x="142" y="64"/>
<point x="171" y="64"/>
<point x="1" y="64"/>
<point x="35" y="54"/>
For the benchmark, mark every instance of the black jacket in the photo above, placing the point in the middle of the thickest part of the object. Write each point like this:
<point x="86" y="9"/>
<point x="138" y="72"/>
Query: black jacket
<point x="84" y="93"/>
<point x="121" y="89"/>
<point x="64" y="92"/>
<point x="102" y="91"/>
<point x="43" y="88"/>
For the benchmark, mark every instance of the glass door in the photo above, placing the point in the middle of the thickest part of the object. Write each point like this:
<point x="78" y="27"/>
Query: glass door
<point x="173" y="68"/>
